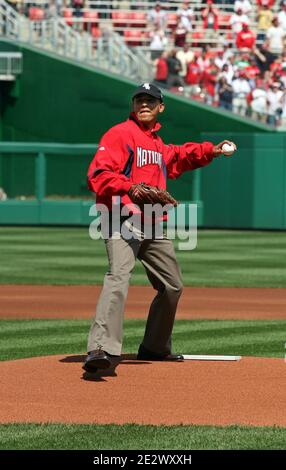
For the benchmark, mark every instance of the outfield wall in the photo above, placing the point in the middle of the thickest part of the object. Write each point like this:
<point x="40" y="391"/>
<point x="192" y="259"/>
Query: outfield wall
<point x="245" y="191"/>
<point x="249" y="189"/>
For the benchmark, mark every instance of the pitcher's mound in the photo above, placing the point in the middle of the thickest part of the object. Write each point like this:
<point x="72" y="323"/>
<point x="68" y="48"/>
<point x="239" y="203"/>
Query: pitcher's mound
<point x="56" y="389"/>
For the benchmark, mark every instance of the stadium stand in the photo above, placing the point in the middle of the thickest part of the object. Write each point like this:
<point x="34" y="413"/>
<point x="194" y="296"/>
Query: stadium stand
<point x="246" y="37"/>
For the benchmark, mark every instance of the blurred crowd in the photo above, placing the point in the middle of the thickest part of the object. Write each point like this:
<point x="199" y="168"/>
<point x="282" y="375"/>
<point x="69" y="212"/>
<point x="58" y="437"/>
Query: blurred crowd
<point x="246" y="76"/>
<point x="250" y="83"/>
<point x="240" y="65"/>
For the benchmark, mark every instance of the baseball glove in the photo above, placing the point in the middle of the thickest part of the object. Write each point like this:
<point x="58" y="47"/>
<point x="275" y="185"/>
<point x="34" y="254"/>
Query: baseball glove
<point x="142" y="194"/>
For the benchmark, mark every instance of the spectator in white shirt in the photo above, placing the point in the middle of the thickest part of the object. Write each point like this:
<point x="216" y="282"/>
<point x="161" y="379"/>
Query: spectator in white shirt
<point x="186" y="15"/>
<point x="276" y="36"/>
<point x="274" y="101"/>
<point x="282" y="15"/>
<point x="243" y="5"/>
<point x="158" y="43"/>
<point x="241" y="90"/>
<point x="227" y="52"/>
<point x="219" y="59"/>
<point x="227" y="73"/>
<point x="258" y="104"/>
<point x="283" y="115"/>
<point x="157" y="17"/>
<point x="185" y="56"/>
<point x="236" y="21"/>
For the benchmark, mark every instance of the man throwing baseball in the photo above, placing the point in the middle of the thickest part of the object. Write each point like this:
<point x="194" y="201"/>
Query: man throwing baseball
<point x="129" y="154"/>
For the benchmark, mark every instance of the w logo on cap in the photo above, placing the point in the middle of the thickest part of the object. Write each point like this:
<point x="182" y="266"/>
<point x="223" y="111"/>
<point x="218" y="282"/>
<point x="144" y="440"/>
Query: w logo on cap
<point x="146" y="86"/>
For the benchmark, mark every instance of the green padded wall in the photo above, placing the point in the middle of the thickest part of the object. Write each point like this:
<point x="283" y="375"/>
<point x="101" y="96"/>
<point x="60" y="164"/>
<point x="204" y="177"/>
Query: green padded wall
<point x="249" y="189"/>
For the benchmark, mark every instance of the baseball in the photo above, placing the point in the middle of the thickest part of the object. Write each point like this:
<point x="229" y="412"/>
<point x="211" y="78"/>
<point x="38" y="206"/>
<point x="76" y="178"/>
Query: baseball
<point x="228" y="149"/>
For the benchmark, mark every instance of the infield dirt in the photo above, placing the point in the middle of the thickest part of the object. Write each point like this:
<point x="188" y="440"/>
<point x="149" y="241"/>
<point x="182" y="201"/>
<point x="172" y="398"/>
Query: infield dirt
<point x="30" y="301"/>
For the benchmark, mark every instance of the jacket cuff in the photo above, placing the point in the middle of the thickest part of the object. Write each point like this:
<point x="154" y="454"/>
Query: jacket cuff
<point x="126" y="186"/>
<point x="209" y="150"/>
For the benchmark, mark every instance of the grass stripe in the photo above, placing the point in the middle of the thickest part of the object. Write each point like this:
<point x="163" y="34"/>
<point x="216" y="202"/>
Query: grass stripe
<point x="131" y="436"/>
<point x="233" y="337"/>
<point x="67" y="256"/>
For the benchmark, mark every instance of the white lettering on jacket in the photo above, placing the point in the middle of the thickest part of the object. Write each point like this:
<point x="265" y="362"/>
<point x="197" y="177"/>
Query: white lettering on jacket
<point x="148" y="157"/>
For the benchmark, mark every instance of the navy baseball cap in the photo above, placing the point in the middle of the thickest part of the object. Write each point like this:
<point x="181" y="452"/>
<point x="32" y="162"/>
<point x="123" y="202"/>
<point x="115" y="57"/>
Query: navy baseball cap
<point x="148" y="89"/>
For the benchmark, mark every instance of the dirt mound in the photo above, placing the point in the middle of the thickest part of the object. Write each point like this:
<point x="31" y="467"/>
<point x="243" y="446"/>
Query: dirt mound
<point x="56" y="389"/>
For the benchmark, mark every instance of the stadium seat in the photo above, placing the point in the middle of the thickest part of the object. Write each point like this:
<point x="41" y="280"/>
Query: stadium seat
<point x="36" y="14"/>
<point x="92" y="16"/>
<point x="138" y="19"/>
<point x="120" y="19"/>
<point x="68" y="15"/>
<point x="133" y="37"/>
<point x="197" y="37"/>
<point x="172" y="20"/>
<point x="224" y="21"/>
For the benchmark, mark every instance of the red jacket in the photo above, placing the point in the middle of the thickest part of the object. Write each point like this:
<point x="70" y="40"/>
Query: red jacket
<point x="245" y="39"/>
<point x="128" y="154"/>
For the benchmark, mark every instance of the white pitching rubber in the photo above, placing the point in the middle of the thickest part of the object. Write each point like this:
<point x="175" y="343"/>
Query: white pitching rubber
<point x="198" y="357"/>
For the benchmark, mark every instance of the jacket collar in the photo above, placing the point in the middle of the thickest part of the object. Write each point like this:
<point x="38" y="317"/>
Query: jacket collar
<point x="149" y="132"/>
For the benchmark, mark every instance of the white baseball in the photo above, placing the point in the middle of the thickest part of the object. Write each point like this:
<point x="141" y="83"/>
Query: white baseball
<point x="228" y="149"/>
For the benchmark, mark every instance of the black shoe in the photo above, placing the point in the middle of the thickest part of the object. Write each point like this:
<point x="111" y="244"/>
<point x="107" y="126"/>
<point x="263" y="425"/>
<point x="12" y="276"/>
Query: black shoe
<point x="97" y="359"/>
<point x="146" y="355"/>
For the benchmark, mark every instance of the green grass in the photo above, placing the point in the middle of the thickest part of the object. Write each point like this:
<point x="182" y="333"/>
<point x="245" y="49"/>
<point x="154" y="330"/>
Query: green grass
<point x="68" y="256"/>
<point x="45" y="255"/>
<point x="28" y="338"/>
<point x="131" y="436"/>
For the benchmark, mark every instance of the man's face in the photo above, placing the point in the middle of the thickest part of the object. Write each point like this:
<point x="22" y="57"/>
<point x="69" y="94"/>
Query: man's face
<point x="146" y="108"/>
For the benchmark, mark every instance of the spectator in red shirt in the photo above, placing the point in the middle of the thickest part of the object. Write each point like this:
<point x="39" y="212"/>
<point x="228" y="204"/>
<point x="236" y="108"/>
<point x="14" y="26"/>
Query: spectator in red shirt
<point x="246" y="38"/>
<point x="252" y="72"/>
<point x="276" y="67"/>
<point x="194" y="72"/>
<point x="209" y="81"/>
<point x="193" y="76"/>
<point x="210" y="18"/>
<point x="161" y="70"/>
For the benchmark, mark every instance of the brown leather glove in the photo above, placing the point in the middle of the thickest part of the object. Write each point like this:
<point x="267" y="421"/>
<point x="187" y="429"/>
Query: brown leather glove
<point x="142" y="194"/>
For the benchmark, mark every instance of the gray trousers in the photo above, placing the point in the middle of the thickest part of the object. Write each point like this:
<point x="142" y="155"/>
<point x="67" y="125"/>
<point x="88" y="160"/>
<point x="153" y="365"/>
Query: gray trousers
<point x="159" y="260"/>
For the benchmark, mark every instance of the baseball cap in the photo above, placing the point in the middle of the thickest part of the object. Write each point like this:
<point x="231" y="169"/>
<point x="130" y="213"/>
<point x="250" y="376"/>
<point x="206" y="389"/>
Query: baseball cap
<point x="148" y="89"/>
